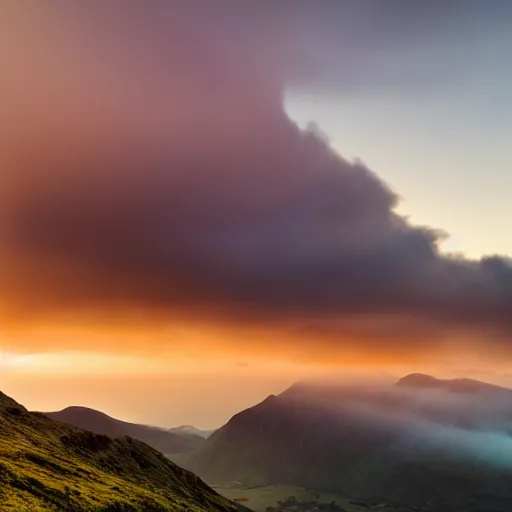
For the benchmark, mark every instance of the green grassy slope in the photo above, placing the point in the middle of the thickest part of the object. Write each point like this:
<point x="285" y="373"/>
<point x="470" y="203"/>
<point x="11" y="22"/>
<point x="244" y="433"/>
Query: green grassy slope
<point x="50" y="466"/>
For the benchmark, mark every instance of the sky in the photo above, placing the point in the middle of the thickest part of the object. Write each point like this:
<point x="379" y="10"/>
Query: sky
<point x="201" y="203"/>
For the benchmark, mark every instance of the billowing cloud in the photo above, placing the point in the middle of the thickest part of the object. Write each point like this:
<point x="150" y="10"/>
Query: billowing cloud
<point x="150" y="166"/>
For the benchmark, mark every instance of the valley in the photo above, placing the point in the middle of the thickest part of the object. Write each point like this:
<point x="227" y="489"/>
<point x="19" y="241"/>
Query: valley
<point x="288" y="498"/>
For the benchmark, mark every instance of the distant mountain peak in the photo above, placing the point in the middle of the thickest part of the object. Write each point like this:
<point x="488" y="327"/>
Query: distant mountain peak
<point x="80" y="409"/>
<point x="191" y="430"/>
<point x="463" y="385"/>
<point x="420" y="380"/>
<point x="165" y="441"/>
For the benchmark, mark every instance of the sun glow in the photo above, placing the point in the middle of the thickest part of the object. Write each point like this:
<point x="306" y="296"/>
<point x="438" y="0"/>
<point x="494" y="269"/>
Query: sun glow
<point x="10" y="360"/>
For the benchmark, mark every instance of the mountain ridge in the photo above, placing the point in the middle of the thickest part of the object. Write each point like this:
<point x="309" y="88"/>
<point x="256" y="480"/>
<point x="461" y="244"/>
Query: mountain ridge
<point x="47" y="465"/>
<point x="460" y="385"/>
<point x="366" y="442"/>
<point x="163" y="440"/>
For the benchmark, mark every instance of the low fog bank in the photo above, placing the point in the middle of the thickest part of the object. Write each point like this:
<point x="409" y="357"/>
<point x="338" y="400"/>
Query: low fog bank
<point x="432" y="422"/>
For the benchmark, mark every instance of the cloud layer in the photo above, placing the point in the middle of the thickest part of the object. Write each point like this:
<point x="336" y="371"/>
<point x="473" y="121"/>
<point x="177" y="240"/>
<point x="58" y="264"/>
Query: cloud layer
<point x="150" y="166"/>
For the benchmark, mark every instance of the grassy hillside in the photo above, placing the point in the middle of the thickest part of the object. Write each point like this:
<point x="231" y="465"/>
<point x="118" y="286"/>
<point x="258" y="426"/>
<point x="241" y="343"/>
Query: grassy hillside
<point x="50" y="466"/>
<point x="165" y="441"/>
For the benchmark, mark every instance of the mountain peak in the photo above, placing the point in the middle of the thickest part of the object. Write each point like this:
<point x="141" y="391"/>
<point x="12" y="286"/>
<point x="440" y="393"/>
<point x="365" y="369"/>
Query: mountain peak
<point x="423" y="381"/>
<point x="100" y="423"/>
<point x="82" y="409"/>
<point x="419" y="380"/>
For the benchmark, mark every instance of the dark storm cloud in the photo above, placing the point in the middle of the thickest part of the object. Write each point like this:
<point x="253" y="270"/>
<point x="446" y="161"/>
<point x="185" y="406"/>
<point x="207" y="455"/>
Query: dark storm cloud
<point x="167" y="175"/>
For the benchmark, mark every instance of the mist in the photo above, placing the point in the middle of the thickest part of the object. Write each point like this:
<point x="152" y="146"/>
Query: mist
<point x="428" y="423"/>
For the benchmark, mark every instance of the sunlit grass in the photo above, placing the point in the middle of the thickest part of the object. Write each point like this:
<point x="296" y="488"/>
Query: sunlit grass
<point x="49" y="466"/>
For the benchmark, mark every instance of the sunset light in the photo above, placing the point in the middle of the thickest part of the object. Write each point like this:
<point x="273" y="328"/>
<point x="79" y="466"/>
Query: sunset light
<point x="261" y="245"/>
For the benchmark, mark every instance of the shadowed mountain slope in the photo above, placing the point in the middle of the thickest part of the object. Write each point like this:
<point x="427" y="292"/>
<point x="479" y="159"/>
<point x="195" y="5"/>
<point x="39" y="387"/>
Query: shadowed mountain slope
<point x="165" y="441"/>
<point x="435" y="450"/>
<point x="49" y="466"/>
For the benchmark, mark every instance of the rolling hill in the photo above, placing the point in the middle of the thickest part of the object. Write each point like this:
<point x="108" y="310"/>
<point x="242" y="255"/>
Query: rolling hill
<point x="407" y="444"/>
<point x="191" y="430"/>
<point x="165" y="441"/>
<point x="50" y="466"/>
